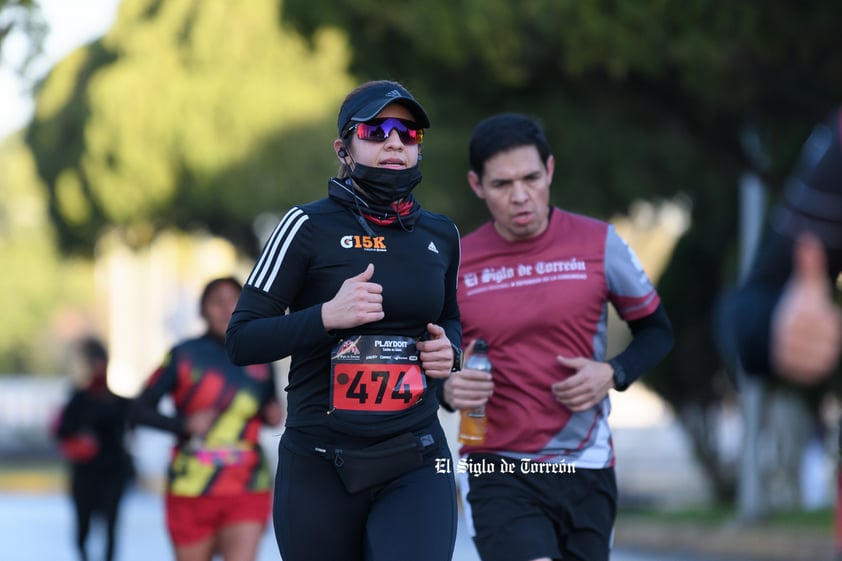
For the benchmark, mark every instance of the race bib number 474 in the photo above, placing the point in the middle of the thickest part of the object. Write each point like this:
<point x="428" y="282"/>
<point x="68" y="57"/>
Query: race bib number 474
<point x="375" y="374"/>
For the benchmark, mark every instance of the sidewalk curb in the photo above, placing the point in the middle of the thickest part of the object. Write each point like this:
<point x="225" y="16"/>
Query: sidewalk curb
<point x="729" y="541"/>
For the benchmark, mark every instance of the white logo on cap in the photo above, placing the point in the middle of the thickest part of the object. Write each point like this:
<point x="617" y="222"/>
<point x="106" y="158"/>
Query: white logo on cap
<point x="393" y="93"/>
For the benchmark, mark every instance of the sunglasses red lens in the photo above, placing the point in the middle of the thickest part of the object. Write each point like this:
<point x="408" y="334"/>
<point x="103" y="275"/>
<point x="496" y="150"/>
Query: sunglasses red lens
<point x="379" y="130"/>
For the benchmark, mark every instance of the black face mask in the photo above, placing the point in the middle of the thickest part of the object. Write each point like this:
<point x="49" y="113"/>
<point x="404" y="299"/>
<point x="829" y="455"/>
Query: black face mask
<point x="384" y="185"/>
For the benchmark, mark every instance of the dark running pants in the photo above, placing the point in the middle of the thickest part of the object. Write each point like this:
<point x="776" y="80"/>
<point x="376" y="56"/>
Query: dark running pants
<point x="95" y="492"/>
<point x="518" y="515"/>
<point x="411" y="518"/>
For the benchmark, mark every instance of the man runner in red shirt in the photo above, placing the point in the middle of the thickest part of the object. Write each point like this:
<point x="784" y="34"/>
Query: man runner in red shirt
<point x="535" y="282"/>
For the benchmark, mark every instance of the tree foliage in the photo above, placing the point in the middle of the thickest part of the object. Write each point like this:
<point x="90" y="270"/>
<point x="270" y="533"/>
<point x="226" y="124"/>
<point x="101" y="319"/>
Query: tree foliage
<point x="36" y="280"/>
<point x="179" y="117"/>
<point x="706" y="66"/>
<point x="23" y="16"/>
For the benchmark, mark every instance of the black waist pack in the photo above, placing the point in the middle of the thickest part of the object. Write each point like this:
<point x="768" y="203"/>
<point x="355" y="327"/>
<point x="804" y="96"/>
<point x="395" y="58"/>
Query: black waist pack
<point x="364" y="468"/>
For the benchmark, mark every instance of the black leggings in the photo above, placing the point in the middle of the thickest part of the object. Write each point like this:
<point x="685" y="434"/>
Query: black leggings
<point x="96" y="492"/>
<point x="412" y="518"/>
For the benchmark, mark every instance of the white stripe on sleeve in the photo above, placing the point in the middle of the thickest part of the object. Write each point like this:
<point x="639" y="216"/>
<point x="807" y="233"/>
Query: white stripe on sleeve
<point x="273" y="253"/>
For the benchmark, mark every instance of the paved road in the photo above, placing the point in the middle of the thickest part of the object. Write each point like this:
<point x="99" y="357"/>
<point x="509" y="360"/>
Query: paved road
<point x="37" y="527"/>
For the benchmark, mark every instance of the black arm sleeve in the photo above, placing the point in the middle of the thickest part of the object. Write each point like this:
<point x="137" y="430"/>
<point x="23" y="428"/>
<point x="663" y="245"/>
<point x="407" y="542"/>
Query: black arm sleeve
<point x="451" y="319"/>
<point x="652" y="339"/>
<point x="440" y="396"/>
<point x="266" y="324"/>
<point x="144" y="411"/>
<point x="261" y="331"/>
<point x="749" y="309"/>
<point x="144" y="408"/>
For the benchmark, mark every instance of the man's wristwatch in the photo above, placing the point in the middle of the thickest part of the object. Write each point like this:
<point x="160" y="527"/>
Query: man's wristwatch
<point x="621" y="381"/>
<point x="457" y="358"/>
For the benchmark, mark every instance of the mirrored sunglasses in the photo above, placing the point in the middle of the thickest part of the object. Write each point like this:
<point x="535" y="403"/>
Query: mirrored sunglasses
<point x="378" y="130"/>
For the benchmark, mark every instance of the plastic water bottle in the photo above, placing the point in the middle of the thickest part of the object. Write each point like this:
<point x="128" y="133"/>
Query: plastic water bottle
<point x="474" y="423"/>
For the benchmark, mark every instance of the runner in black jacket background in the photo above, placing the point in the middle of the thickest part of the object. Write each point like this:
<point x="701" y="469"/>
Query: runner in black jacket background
<point x="785" y="320"/>
<point x="91" y="433"/>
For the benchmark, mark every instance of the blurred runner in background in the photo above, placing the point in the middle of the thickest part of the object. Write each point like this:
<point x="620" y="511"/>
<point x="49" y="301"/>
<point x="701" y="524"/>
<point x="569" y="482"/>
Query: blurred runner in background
<point x="91" y="434"/>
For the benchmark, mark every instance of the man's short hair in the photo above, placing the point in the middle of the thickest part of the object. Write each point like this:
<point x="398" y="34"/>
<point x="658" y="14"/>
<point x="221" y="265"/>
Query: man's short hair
<point x="504" y="132"/>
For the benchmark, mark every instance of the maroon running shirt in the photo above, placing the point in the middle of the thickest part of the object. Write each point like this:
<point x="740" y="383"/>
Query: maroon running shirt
<point x="533" y="300"/>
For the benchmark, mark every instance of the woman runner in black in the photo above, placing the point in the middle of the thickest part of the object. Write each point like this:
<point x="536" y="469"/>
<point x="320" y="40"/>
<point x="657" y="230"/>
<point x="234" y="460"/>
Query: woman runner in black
<point x="360" y="289"/>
